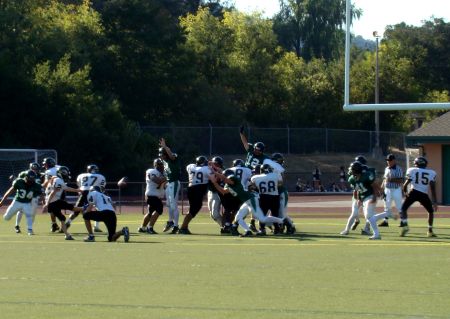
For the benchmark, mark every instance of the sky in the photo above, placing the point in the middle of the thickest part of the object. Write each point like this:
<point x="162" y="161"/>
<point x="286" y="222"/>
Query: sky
<point x="377" y="14"/>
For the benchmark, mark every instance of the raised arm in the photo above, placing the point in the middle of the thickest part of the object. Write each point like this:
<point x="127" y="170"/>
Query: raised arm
<point x="162" y="143"/>
<point x="243" y="138"/>
<point x="8" y="192"/>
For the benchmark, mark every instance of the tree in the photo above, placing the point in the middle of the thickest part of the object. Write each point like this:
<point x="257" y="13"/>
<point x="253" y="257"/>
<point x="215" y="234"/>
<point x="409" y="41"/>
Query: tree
<point x="312" y="28"/>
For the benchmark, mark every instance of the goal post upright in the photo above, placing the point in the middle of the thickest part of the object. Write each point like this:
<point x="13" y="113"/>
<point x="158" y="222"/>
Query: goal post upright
<point x="378" y="106"/>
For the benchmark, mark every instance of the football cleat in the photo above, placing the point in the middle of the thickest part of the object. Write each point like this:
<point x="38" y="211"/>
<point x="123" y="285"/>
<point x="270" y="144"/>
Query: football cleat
<point x="365" y="232"/>
<point x="168" y="226"/>
<point x="30" y="232"/>
<point x="151" y="231"/>
<point x="384" y="223"/>
<point x="431" y="234"/>
<point x="248" y="233"/>
<point x="69" y="237"/>
<point x="375" y="237"/>
<point x="90" y="238"/>
<point x="17" y="229"/>
<point x="344" y="232"/>
<point x="184" y="231"/>
<point x="234" y="231"/>
<point x="142" y="230"/>
<point x="404" y="230"/>
<point x="262" y="232"/>
<point x="175" y="230"/>
<point x="54" y="228"/>
<point x="355" y="224"/>
<point x="126" y="234"/>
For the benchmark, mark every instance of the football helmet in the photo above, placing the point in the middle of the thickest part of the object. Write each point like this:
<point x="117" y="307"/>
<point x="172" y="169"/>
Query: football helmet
<point x="259" y="146"/>
<point x="157" y="162"/>
<point x="218" y="160"/>
<point x="355" y="168"/>
<point x="48" y="162"/>
<point x="35" y="167"/>
<point x="201" y="160"/>
<point x="257" y="170"/>
<point x="30" y="177"/>
<point x="420" y="162"/>
<point x="92" y="168"/>
<point x="266" y="168"/>
<point x="361" y="159"/>
<point x="238" y="163"/>
<point x="278" y="157"/>
<point x="228" y="173"/>
<point x="64" y="173"/>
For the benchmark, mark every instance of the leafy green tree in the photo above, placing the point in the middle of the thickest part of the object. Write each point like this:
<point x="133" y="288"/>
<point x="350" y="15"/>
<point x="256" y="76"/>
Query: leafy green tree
<point x="312" y="28"/>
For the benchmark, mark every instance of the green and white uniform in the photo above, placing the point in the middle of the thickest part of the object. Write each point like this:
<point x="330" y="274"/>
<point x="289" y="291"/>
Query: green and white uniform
<point x="172" y="171"/>
<point x="252" y="160"/>
<point x="365" y="193"/>
<point x="250" y="205"/>
<point x="22" y="201"/>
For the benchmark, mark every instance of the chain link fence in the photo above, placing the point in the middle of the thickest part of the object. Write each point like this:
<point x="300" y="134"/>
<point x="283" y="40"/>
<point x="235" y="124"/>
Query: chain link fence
<point x="211" y="140"/>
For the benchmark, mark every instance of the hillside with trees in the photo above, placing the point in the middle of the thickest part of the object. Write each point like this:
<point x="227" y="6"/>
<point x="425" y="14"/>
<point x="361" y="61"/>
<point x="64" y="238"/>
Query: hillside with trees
<point x="83" y="76"/>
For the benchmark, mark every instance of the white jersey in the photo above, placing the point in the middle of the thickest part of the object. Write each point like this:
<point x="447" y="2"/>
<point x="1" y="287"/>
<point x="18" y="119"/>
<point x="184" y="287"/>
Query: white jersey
<point x="277" y="168"/>
<point x="153" y="189"/>
<point x="100" y="201"/>
<point x="420" y="178"/>
<point x="48" y="174"/>
<point x="243" y="174"/>
<point x="198" y="174"/>
<point x="86" y="180"/>
<point x="267" y="184"/>
<point x="58" y="185"/>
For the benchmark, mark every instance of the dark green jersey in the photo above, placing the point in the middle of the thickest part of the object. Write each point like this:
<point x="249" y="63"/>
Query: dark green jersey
<point x="25" y="192"/>
<point x="172" y="169"/>
<point x="363" y="185"/>
<point x="236" y="189"/>
<point x="252" y="160"/>
<point x="38" y="179"/>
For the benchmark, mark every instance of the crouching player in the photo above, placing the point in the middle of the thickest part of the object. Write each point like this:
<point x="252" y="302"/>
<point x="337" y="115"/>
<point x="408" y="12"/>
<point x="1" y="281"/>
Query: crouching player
<point x="100" y="209"/>
<point x="249" y="199"/>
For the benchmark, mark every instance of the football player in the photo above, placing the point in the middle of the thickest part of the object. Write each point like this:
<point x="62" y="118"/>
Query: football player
<point x="353" y="220"/>
<point x="100" y="208"/>
<point x="26" y="189"/>
<point x="249" y="199"/>
<point x="284" y="195"/>
<point x="214" y="200"/>
<point x="420" y="179"/>
<point x="50" y="170"/>
<point x="255" y="153"/>
<point x="92" y="177"/>
<point x="35" y="201"/>
<point x="172" y="171"/>
<point x="198" y="186"/>
<point x="54" y="202"/>
<point x="266" y="184"/>
<point x="155" y="180"/>
<point x="366" y="191"/>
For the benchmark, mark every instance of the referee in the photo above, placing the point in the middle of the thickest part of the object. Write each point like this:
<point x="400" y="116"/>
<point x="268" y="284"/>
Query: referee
<point x="392" y="185"/>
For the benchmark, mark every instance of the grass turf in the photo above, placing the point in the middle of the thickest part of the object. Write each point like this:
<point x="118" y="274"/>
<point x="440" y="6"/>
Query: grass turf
<point x="314" y="274"/>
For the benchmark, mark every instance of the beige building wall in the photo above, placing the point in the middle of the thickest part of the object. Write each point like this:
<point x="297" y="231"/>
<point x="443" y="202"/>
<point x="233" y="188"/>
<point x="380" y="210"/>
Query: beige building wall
<point x="433" y="153"/>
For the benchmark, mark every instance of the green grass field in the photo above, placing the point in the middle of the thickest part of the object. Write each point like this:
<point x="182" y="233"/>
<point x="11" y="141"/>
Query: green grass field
<point x="315" y="274"/>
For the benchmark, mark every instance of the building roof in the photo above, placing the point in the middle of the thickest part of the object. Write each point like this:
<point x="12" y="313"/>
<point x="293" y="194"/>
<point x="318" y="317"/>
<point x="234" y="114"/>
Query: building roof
<point x="436" y="131"/>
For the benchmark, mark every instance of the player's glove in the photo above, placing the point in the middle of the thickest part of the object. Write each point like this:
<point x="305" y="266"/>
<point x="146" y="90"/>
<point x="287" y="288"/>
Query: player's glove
<point x="241" y="129"/>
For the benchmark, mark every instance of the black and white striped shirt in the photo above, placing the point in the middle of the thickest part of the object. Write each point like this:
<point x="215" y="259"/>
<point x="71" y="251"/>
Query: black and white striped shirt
<point x="390" y="173"/>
